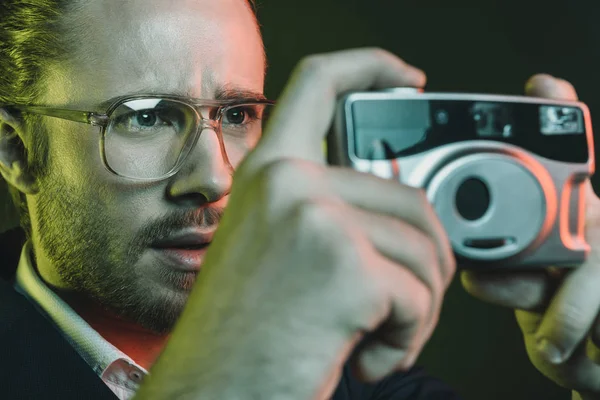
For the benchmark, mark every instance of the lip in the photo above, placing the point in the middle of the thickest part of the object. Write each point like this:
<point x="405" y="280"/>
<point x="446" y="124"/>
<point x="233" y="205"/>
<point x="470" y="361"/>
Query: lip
<point x="185" y="250"/>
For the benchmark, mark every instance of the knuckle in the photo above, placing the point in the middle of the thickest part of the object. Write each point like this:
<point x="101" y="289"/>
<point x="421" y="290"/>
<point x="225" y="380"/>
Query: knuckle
<point x="290" y="173"/>
<point x="426" y="250"/>
<point x="441" y="247"/>
<point x="434" y="319"/>
<point x="313" y="66"/>
<point x="417" y="196"/>
<point x="422" y="199"/>
<point x="382" y="54"/>
<point x="315" y="214"/>
<point x="323" y="227"/>
<point x="277" y="170"/>
<point x="276" y="186"/>
<point x="420" y="307"/>
<point x="416" y="199"/>
<point x="319" y="219"/>
<point x="451" y="267"/>
<point x="276" y="176"/>
<point x="423" y="305"/>
<point x="447" y="263"/>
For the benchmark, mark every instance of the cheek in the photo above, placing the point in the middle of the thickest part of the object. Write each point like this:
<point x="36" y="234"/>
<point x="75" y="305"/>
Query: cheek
<point x="237" y="148"/>
<point x="76" y="166"/>
<point x="74" y="153"/>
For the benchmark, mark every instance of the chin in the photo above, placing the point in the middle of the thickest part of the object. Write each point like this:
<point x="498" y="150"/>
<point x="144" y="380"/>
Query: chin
<point x="159" y="309"/>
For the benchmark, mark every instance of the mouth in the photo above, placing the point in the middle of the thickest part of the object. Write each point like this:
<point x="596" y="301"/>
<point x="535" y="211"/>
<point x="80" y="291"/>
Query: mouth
<point x="184" y="251"/>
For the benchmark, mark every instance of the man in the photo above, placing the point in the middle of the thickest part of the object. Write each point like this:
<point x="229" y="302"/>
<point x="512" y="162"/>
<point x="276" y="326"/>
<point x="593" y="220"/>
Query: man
<point x="301" y="274"/>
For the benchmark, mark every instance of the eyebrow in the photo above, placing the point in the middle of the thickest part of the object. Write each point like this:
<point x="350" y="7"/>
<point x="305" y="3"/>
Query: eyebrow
<point x="226" y="93"/>
<point x="233" y="92"/>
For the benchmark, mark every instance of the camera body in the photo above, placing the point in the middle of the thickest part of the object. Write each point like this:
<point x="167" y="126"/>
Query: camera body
<point x="505" y="174"/>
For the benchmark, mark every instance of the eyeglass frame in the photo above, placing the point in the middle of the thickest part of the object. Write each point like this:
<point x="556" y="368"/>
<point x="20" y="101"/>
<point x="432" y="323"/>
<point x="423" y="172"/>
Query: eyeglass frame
<point x="102" y="120"/>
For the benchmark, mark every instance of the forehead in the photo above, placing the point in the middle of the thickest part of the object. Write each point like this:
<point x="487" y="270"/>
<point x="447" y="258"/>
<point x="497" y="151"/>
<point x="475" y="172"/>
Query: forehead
<point x="185" y="47"/>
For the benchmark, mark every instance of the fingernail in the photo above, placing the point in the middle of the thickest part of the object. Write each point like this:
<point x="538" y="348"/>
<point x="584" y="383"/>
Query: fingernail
<point x="418" y="75"/>
<point x="550" y="351"/>
<point x="539" y="82"/>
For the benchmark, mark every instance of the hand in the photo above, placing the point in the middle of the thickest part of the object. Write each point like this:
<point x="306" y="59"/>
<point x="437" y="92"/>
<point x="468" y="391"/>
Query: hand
<point x="556" y="310"/>
<point x="309" y="258"/>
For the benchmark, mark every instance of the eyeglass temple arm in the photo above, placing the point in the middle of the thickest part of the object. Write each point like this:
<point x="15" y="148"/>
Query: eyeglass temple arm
<point x="86" y="117"/>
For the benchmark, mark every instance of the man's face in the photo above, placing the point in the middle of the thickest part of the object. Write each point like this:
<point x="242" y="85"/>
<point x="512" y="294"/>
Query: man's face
<point x="94" y="231"/>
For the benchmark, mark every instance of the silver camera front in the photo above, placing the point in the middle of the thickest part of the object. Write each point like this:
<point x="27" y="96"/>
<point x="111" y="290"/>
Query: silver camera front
<point x="505" y="174"/>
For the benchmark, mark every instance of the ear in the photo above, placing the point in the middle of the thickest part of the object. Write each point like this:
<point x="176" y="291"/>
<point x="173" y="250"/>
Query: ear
<point x="14" y="165"/>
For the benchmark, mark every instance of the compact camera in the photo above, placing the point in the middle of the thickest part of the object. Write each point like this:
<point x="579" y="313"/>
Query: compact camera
<point x="505" y="174"/>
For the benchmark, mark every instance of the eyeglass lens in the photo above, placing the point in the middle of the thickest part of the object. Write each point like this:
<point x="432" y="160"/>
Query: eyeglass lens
<point x="147" y="138"/>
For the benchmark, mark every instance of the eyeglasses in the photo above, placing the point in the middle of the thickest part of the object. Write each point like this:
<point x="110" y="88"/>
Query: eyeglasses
<point x="149" y="137"/>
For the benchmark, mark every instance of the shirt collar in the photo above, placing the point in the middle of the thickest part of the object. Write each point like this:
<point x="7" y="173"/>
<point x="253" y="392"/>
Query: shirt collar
<point x="92" y="347"/>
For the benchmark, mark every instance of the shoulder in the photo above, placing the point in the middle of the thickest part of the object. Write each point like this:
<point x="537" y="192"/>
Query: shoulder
<point x="11" y="243"/>
<point x="23" y="330"/>
<point x="15" y="311"/>
<point x="411" y="385"/>
<point x="14" y="308"/>
<point x="36" y="361"/>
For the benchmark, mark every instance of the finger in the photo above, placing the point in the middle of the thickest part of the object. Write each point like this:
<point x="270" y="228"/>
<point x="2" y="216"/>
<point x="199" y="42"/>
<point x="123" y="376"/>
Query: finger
<point x="409" y="248"/>
<point x="592" y="351"/>
<point x="405" y="245"/>
<point x="571" y="314"/>
<point x="399" y="341"/>
<point x="592" y="211"/>
<point x="398" y="201"/>
<point x="595" y="333"/>
<point x="529" y="322"/>
<point x="305" y="111"/>
<point x="400" y="314"/>
<point x="544" y="85"/>
<point x="531" y="290"/>
<point x="593" y="345"/>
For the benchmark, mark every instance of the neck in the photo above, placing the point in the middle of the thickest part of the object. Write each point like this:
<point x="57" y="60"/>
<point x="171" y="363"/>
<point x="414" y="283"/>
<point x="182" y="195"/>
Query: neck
<point x="141" y="345"/>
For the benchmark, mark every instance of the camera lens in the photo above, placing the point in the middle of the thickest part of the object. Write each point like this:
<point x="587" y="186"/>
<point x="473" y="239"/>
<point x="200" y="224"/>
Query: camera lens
<point x="472" y="199"/>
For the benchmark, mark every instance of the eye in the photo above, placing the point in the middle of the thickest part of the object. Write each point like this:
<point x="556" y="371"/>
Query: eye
<point x="236" y="116"/>
<point x="147" y="121"/>
<point x="146" y="118"/>
<point x="244" y="122"/>
<point x="151" y="117"/>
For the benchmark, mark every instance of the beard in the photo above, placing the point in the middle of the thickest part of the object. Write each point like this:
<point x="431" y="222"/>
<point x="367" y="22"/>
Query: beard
<point x="83" y="241"/>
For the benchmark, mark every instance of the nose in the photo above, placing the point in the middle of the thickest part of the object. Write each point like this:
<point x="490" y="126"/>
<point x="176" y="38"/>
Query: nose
<point x="207" y="174"/>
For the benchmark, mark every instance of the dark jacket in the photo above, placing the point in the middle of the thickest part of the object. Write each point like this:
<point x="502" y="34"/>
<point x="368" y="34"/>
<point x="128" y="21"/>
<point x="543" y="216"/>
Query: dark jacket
<point x="36" y="362"/>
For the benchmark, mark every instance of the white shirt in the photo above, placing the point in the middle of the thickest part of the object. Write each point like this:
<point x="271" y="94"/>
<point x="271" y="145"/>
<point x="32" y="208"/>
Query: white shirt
<point x="118" y="371"/>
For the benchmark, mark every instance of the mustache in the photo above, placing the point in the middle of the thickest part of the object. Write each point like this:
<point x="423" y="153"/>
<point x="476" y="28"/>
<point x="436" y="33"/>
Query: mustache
<point x="204" y="219"/>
